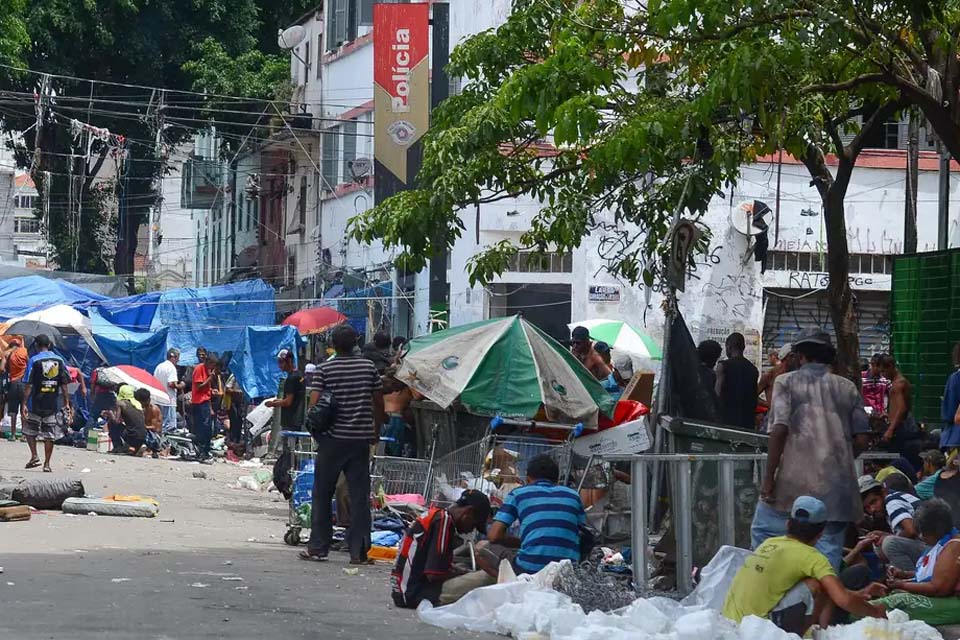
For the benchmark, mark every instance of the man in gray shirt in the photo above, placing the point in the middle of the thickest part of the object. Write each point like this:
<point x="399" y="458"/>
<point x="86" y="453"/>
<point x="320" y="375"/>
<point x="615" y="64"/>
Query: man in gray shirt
<point x="818" y="425"/>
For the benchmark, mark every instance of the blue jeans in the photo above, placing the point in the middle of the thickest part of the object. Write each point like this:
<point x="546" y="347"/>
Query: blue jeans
<point x="202" y="428"/>
<point x="770" y="523"/>
<point x="169" y="418"/>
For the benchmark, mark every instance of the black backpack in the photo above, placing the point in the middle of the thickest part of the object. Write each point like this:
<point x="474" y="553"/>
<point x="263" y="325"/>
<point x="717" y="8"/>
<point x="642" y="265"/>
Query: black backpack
<point x="322" y="416"/>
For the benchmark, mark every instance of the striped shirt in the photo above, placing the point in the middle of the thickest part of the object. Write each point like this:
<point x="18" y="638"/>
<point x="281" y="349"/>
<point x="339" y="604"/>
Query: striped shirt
<point x="900" y="507"/>
<point x="353" y="381"/>
<point x="550" y="516"/>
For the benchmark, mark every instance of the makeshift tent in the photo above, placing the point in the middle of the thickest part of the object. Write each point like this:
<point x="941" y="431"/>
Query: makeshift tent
<point x="68" y="320"/>
<point x="20" y="296"/>
<point x="104" y="285"/>
<point x="254" y="359"/>
<point x="213" y="317"/>
<point x="132" y="312"/>
<point x="144" y="349"/>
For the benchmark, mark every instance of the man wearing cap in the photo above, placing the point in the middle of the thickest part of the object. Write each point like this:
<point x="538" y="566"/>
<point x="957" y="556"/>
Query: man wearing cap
<point x="890" y="500"/>
<point x="166" y="373"/>
<point x="788" y="581"/>
<point x="581" y="345"/>
<point x="424" y="569"/>
<point x="46" y="379"/>
<point x="291" y="404"/>
<point x="816" y="423"/>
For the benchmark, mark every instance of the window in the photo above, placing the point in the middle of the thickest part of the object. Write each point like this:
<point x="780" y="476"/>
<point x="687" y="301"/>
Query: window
<point x="532" y="262"/>
<point x="330" y="153"/>
<point x="26" y="225"/>
<point x="341" y="23"/>
<point x="302" y="204"/>
<point x="291" y="270"/>
<point x="349" y="130"/>
<point x="24" y="202"/>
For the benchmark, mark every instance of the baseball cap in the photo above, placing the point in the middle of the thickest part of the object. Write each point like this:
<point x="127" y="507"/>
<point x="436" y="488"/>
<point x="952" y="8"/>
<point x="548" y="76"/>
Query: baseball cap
<point x="867" y="483"/>
<point x="580" y="334"/>
<point x="284" y="354"/>
<point x="310" y="368"/>
<point x="815" y="335"/>
<point x="785" y="351"/>
<point x="808" y="509"/>
<point x="480" y="503"/>
<point x="601" y="347"/>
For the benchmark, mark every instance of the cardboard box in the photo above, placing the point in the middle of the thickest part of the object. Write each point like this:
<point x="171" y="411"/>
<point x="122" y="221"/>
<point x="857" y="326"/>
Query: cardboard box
<point x="640" y="388"/>
<point x="627" y="438"/>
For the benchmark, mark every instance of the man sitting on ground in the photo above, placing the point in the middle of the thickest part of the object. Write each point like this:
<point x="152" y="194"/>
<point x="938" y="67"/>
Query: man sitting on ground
<point x="790" y="582"/>
<point x="892" y="499"/>
<point x="550" y="516"/>
<point x="153" y="421"/>
<point x="424" y="564"/>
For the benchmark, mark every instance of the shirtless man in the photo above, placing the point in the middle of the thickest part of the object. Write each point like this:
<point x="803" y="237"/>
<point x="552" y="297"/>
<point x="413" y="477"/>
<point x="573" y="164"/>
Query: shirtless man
<point x="581" y="345"/>
<point x="765" y="386"/>
<point x="902" y="435"/>
<point x="396" y="404"/>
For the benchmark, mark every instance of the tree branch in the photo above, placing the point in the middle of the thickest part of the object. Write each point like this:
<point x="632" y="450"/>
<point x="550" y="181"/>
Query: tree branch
<point x="847" y="85"/>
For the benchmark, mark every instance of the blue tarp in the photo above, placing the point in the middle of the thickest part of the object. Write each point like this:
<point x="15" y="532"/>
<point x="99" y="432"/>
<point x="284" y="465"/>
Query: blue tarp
<point x="213" y="317"/>
<point x="144" y="349"/>
<point x="133" y="312"/>
<point x="254" y="363"/>
<point x="20" y="296"/>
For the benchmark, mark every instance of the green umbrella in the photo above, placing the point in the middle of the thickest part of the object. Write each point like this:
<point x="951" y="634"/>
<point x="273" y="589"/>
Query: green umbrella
<point x="504" y="366"/>
<point x="622" y="337"/>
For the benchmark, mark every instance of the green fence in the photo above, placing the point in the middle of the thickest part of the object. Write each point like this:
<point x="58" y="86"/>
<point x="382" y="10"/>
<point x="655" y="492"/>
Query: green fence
<point x="926" y="324"/>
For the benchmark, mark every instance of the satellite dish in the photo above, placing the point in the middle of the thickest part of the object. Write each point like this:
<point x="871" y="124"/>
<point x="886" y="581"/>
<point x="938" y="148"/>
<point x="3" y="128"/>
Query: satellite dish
<point x="291" y="37"/>
<point x="743" y="219"/>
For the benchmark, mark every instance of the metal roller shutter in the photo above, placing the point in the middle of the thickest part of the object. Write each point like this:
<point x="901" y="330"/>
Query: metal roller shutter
<point x="788" y="314"/>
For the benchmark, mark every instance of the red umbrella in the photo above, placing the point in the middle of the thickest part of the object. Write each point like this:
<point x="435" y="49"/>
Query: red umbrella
<point x="316" y="320"/>
<point x="138" y="379"/>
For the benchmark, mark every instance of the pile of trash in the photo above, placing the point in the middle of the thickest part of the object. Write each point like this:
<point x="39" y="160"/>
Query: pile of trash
<point x="532" y="608"/>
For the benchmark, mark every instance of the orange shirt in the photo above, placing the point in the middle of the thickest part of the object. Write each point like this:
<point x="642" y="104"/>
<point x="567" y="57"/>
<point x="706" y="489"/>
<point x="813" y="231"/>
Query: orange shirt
<point x="17" y="363"/>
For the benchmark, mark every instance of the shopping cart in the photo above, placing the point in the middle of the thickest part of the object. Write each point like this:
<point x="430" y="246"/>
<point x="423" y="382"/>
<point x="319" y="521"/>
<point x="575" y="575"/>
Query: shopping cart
<point x="497" y="463"/>
<point x="299" y="446"/>
<point x="391" y="475"/>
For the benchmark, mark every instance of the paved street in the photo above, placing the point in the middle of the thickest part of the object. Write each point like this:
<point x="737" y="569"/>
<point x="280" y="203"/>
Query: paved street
<point x="212" y="565"/>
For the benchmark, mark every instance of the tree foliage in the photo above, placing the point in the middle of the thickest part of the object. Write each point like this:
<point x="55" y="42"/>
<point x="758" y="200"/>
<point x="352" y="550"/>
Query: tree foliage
<point x="139" y="42"/>
<point x="631" y="109"/>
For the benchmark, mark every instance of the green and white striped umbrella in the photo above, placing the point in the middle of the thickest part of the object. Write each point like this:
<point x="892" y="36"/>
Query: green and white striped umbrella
<point x="621" y="337"/>
<point x="504" y="366"/>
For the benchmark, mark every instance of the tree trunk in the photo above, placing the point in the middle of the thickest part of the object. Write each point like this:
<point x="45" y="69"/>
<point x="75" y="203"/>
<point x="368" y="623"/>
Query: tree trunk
<point x="839" y="293"/>
<point x="123" y="260"/>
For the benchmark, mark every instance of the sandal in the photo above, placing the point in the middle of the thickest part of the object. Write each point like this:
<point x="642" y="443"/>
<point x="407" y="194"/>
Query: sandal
<point x="312" y="557"/>
<point x="33" y="464"/>
<point x="47" y="469"/>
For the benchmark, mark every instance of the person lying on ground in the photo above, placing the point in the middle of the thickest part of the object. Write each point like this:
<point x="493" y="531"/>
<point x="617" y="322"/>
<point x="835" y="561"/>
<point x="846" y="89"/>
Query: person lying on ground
<point x="153" y="421"/>
<point x="927" y="592"/>
<point x="550" y="516"/>
<point x="892" y="498"/>
<point x="424" y="569"/>
<point x="787" y="580"/>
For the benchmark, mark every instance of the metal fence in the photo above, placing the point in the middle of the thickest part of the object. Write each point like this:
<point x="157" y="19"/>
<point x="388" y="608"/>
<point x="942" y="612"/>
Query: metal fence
<point x="680" y="470"/>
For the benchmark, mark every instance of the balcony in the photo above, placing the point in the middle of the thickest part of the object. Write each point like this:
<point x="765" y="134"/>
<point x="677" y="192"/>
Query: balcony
<point x="202" y="182"/>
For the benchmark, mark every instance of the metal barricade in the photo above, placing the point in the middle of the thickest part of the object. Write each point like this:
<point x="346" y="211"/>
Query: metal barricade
<point x="680" y="472"/>
<point x="392" y="475"/>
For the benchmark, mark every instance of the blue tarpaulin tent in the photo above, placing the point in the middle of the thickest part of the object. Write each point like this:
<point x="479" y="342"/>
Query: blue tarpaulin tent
<point x="133" y="312"/>
<point x="20" y="296"/>
<point x="144" y="349"/>
<point x="254" y="363"/>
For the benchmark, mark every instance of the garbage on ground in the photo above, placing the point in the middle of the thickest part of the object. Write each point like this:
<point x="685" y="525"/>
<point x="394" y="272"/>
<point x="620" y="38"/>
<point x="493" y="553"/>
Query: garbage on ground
<point x="351" y="571"/>
<point x="133" y="508"/>
<point x="46" y="493"/>
<point x="529" y="607"/>
<point x="261" y="480"/>
<point x="199" y="585"/>
<point x="120" y="580"/>
<point x="384" y="538"/>
<point x="200" y="475"/>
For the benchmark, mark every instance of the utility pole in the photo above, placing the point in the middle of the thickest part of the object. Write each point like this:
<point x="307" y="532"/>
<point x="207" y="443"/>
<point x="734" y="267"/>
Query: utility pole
<point x="943" y="226"/>
<point x="910" y="199"/>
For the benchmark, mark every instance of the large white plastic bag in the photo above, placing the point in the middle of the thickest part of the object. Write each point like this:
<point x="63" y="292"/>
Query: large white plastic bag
<point x="704" y="624"/>
<point x="476" y="610"/>
<point x="716" y="577"/>
<point x="877" y="629"/>
<point x="754" y="628"/>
